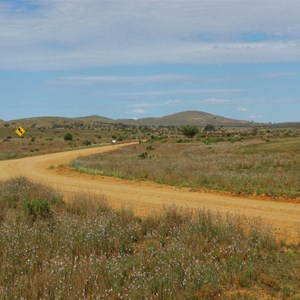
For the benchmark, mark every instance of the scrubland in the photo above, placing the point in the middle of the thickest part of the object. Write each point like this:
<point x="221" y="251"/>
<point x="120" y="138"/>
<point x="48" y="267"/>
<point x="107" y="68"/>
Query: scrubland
<point x="83" y="249"/>
<point x="243" y="166"/>
<point x="41" y="140"/>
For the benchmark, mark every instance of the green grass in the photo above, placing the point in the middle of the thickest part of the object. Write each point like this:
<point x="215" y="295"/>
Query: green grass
<point x="243" y="167"/>
<point x="88" y="251"/>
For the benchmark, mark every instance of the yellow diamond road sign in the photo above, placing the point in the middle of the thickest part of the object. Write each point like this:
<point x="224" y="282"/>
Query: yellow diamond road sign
<point x="20" y="131"/>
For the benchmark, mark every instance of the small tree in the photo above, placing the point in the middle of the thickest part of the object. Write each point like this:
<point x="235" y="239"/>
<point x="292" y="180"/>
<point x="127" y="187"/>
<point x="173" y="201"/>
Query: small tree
<point x="68" y="137"/>
<point x="190" y="131"/>
<point x="209" y="127"/>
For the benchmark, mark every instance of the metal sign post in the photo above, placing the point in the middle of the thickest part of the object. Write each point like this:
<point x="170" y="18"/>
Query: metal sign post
<point x="20" y="131"/>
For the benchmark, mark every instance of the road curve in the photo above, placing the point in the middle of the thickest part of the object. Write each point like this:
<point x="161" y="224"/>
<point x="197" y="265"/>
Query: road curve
<point x="146" y="198"/>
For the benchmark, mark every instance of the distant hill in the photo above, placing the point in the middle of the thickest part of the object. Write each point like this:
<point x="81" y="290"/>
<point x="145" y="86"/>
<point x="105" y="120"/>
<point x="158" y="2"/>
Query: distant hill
<point x="187" y="118"/>
<point x="197" y="118"/>
<point x="41" y="121"/>
<point x="92" y="119"/>
<point x="58" y="121"/>
<point x="178" y="119"/>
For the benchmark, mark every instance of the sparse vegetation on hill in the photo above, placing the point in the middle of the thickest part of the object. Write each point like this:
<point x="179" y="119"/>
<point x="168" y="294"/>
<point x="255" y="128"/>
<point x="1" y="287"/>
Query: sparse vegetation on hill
<point x="46" y="134"/>
<point x="85" y="250"/>
<point x="195" y="118"/>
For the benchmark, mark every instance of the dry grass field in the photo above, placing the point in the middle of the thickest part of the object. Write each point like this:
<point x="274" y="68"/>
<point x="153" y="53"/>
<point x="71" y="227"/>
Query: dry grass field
<point x="84" y="250"/>
<point x="251" y="166"/>
<point x="43" y="139"/>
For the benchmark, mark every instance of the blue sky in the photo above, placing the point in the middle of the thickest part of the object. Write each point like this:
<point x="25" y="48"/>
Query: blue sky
<point x="133" y="59"/>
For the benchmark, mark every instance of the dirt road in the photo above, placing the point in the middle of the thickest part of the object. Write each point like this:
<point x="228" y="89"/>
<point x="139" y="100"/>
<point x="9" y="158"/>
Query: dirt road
<point x="146" y="198"/>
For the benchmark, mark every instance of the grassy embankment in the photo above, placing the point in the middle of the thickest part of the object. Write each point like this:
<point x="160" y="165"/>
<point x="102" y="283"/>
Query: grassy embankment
<point x="245" y="167"/>
<point x="84" y="250"/>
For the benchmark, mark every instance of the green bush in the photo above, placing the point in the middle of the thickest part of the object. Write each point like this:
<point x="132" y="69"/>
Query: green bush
<point x="150" y="148"/>
<point x="68" y="137"/>
<point x="143" y="155"/>
<point x="87" y="143"/>
<point x="209" y="127"/>
<point x="190" y="131"/>
<point x="36" y="208"/>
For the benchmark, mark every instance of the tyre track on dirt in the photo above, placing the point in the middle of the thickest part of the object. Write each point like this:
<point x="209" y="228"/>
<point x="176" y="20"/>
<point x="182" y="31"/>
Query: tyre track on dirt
<point x="146" y="198"/>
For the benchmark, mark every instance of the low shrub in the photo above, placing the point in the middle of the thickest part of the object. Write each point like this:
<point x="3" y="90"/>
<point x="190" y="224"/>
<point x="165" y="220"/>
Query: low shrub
<point x="37" y="208"/>
<point x="15" y="191"/>
<point x="68" y="137"/>
<point x="87" y="143"/>
<point x="150" y="148"/>
<point x="143" y="155"/>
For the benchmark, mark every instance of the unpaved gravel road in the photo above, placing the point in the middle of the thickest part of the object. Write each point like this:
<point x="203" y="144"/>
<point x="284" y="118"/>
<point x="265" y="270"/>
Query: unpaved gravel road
<point x="147" y="198"/>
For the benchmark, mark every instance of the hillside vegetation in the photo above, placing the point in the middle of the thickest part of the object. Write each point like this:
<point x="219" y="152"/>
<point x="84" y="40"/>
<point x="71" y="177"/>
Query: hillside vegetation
<point x="46" y="134"/>
<point x="84" y="250"/>
<point x="198" y="118"/>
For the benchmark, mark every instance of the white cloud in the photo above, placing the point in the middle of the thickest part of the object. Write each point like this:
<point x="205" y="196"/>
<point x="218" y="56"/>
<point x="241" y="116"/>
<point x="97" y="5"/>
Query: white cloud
<point x="164" y="78"/>
<point x="226" y="91"/>
<point x="155" y="104"/>
<point x="243" y="109"/>
<point x="140" y="105"/>
<point x="215" y="101"/>
<point x="175" y="53"/>
<point x="172" y="102"/>
<point x="80" y="34"/>
<point x="137" y="111"/>
<point x="256" y="116"/>
<point x="279" y="75"/>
